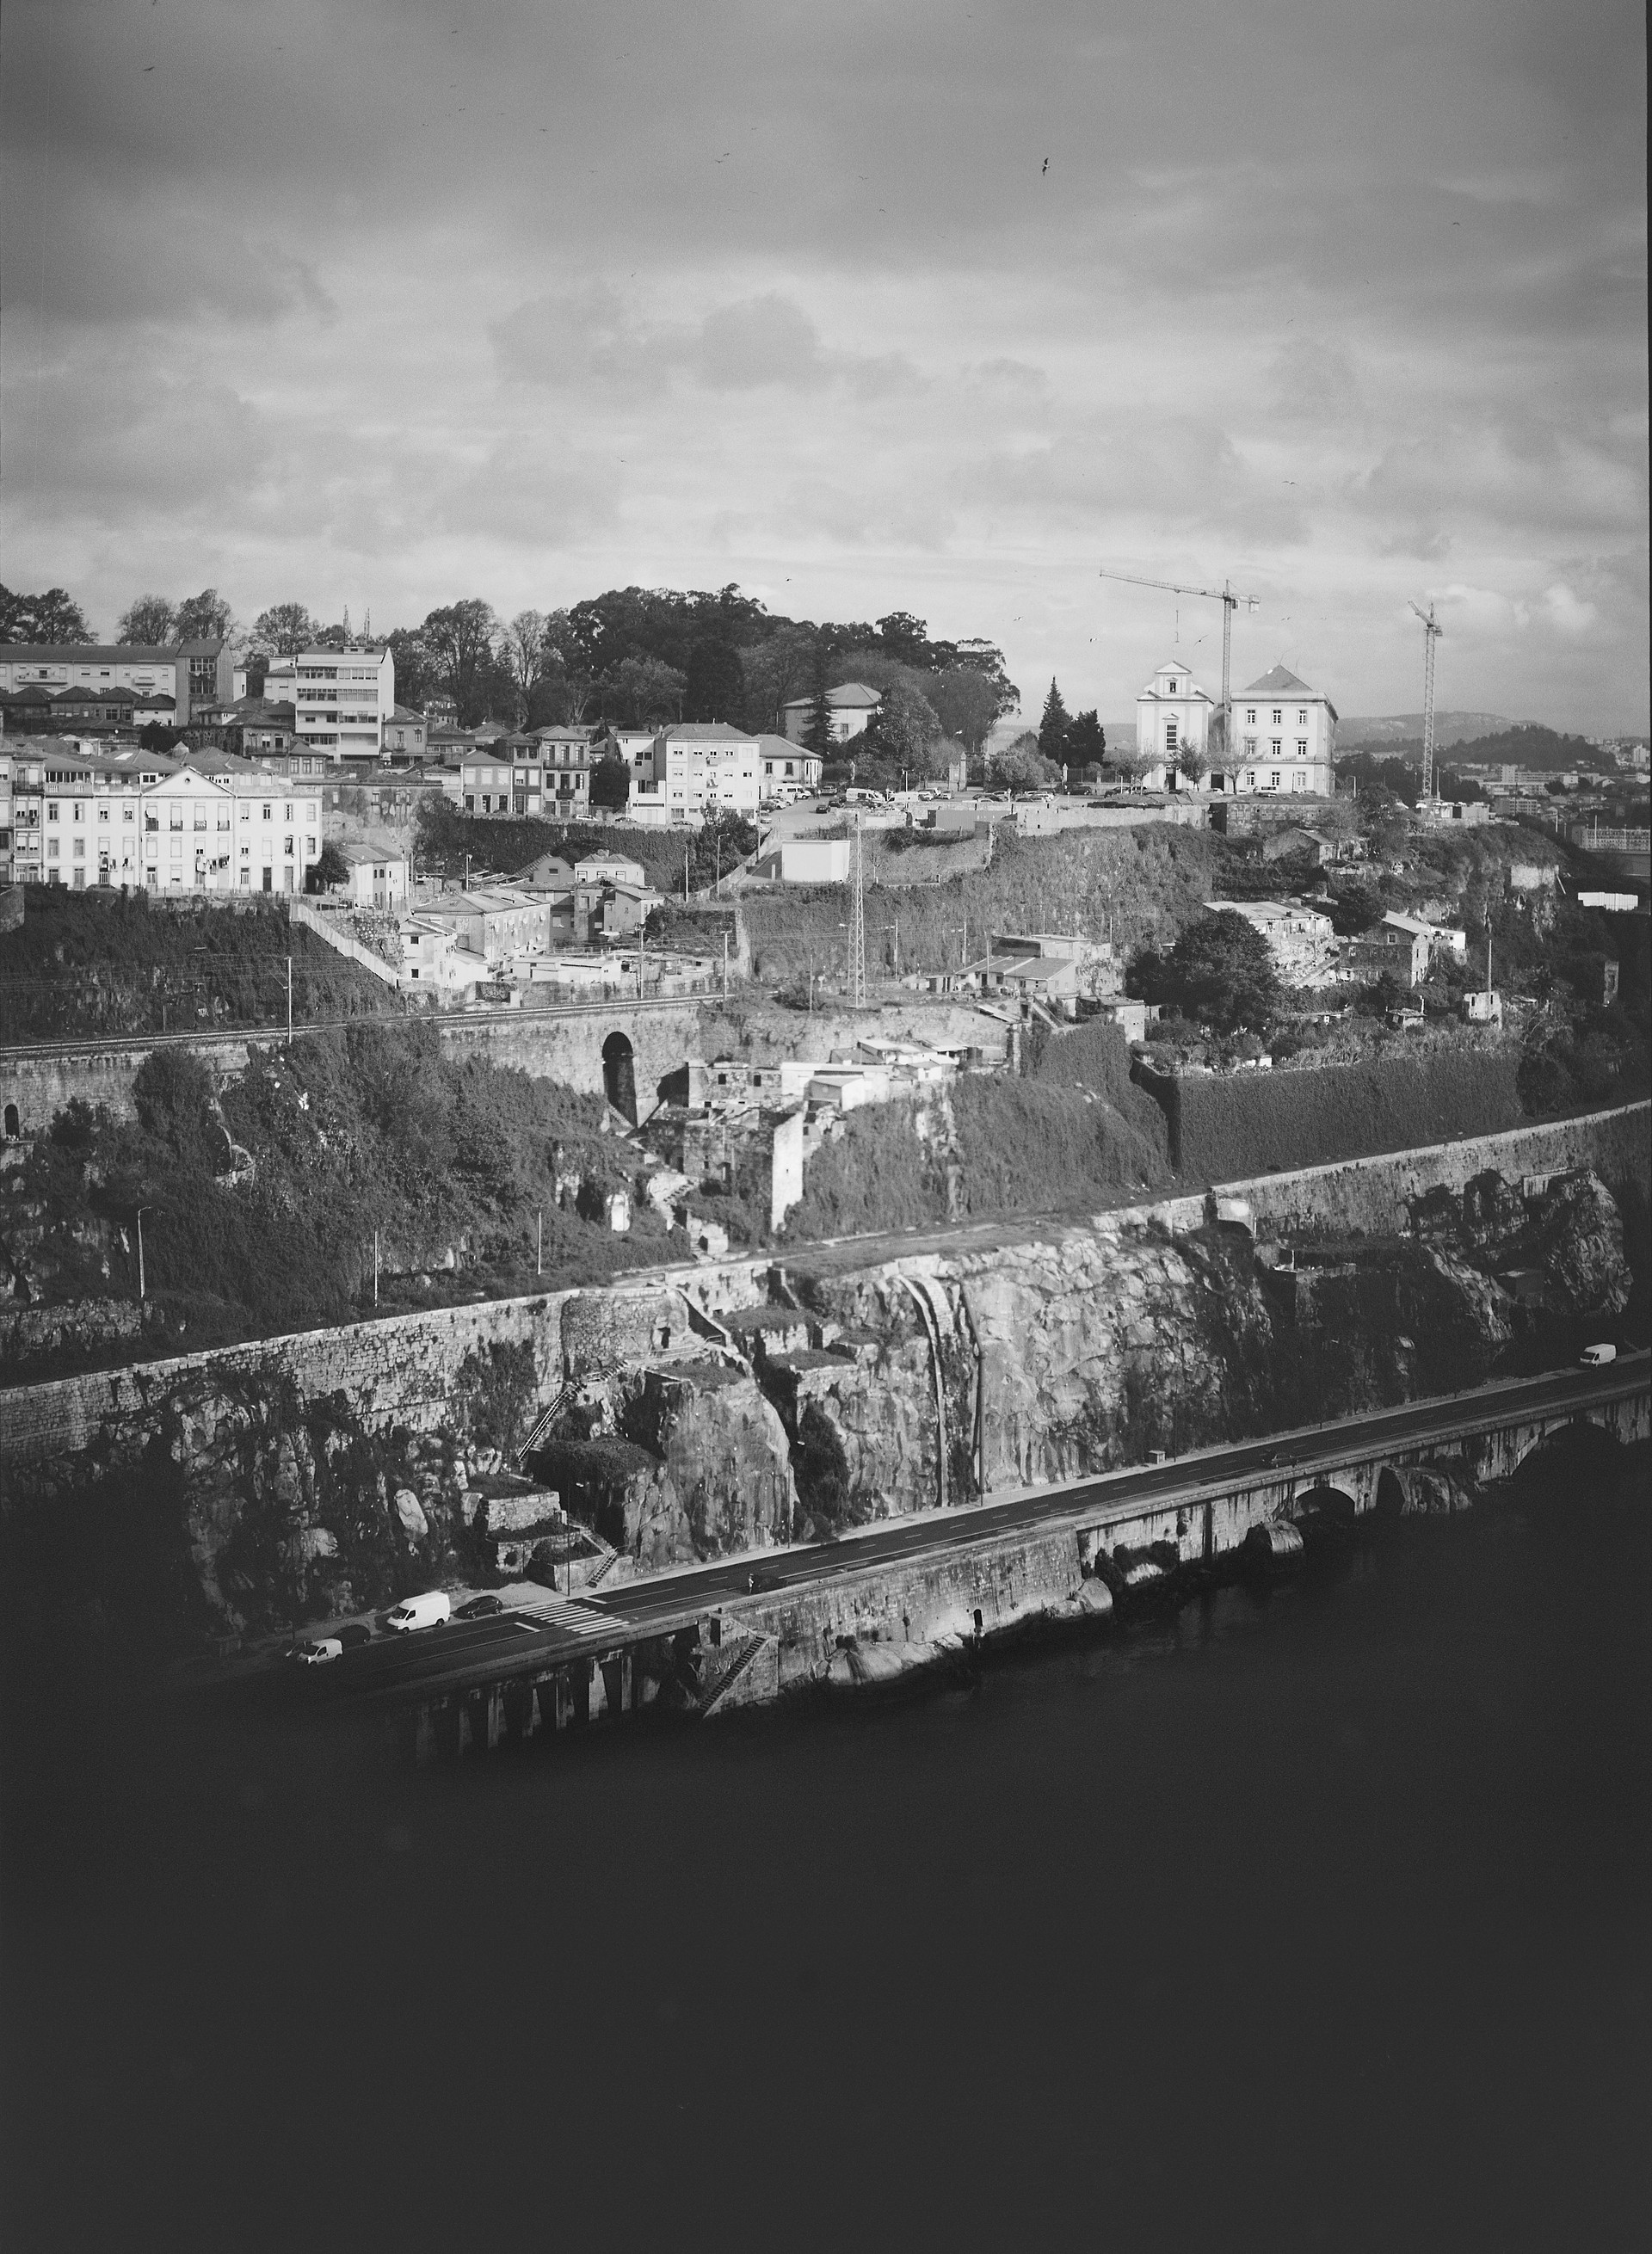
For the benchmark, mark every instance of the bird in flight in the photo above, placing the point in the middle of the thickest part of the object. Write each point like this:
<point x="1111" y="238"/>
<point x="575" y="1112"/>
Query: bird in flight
<point x="1046" y="165"/>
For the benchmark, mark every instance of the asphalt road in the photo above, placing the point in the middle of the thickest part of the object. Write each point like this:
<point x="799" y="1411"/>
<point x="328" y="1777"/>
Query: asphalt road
<point x="480" y="1651"/>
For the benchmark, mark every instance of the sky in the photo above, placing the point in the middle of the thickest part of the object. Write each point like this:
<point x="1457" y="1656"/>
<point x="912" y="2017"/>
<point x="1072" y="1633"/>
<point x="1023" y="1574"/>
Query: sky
<point x="945" y="307"/>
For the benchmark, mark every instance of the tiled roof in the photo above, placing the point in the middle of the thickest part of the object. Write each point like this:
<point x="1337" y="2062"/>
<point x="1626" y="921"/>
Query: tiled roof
<point x="699" y="731"/>
<point x="1280" y="682"/>
<point x="66" y="652"/>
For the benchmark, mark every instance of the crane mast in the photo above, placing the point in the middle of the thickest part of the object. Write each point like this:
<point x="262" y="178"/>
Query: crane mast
<point x="1230" y="602"/>
<point x="1432" y="633"/>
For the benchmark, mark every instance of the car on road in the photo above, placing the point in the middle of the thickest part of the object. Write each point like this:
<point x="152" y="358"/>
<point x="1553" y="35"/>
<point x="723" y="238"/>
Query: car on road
<point x="762" y="1579"/>
<point x="1596" y="1357"/>
<point x="428" y="1610"/>
<point x="319" y="1653"/>
<point x="479" y="1609"/>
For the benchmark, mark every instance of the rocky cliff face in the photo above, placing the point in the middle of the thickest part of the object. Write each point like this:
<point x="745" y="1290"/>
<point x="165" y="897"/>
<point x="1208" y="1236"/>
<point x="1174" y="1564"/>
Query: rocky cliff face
<point x="927" y="1381"/>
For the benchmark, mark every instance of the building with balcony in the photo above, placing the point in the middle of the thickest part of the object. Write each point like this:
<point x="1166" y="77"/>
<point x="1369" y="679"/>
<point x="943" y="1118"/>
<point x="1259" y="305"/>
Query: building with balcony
<point x="78" y="815"/>
<point x="699" y="768"/>
<point x="341" y="699"/>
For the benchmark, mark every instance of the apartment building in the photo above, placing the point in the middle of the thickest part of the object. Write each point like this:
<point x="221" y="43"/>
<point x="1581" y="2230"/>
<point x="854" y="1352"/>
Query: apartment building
<point x="189" y="673"/>
<point x="342" y="699"/>
<point x="236" y="832"/>
<point x="1284" y="737"/>
<point x="545" y="775"/>
<point x="699" y="768"/>
<point x="78" y="815"/>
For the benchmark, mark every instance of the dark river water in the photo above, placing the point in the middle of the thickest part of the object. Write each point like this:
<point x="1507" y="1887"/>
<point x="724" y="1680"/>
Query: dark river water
<point x="1319" y="1918"/>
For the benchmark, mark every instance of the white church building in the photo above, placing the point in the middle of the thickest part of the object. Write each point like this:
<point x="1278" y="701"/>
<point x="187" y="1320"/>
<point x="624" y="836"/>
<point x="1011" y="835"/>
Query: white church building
<point x="1284" y="735"/>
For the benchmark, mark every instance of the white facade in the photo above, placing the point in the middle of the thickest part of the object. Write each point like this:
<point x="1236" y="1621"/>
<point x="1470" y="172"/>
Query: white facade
<point x="1172" y="715"/>
<point x="342" y="698"/>
<point x="188" y="673"/>
<point x="700" y="768"/>
<point x="1285" y="737"/>
<point x="787" y="767"/>
<point x="77" y="815"/>
<point x="248" y="834"/>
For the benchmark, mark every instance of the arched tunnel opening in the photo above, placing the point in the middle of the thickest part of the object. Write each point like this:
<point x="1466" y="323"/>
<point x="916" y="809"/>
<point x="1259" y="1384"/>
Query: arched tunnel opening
<point x="13" y="1123"/>
<point x="619" y="1075"/>
<point x="1579" y="1464"/>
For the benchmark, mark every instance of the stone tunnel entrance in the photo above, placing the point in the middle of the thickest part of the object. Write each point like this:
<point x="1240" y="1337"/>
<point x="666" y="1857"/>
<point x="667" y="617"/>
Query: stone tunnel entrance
<point x="620" y="1077"/>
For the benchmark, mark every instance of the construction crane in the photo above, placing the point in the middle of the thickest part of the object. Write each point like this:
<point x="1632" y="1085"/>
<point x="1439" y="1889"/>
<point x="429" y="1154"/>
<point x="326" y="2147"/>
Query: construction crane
<point x="1432" y="633"/>
<point x="1230" y="602"/>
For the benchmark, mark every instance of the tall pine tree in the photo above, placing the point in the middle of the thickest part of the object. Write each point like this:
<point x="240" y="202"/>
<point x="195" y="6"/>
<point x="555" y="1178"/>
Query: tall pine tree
<point x="1053" y="725"/>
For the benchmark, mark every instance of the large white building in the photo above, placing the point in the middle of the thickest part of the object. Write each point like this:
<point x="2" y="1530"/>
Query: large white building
<point x="105" y="818"/>
<point x="1173" y="716"/>
<point x="189" y="673"/>
<point x="1284" y="737"/>
<point x="342" y="698"/>
<point x="699" y="768"/>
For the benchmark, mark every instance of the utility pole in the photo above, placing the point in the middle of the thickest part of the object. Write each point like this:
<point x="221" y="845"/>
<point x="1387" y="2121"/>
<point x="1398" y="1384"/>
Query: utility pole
<point x="290" y="1001"/>
<point x="1432" y="633"/>
<point x="141" y="1294"/>
<point x="725" y="970"/>
<point x="539" y="1256"/>
<point x="375" y="1267"/>
<point x="857" y="924"/>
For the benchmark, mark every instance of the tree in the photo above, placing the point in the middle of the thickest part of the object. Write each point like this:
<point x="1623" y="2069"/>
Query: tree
<point x="1086" y="740"/>
<point x="904" y="637"/>
<point x="523" y="649"/>
<point x="159" y="736"/>
<point x="1053" y="725"/>
<point x="642" y="691"/>
<point x="414" y="678"/>
<point x="1193" y="762"/>
<point x="716" y="683"/>
<point x="329" y="867"/>
<point x="206" y="617"/>
<point x="776" y="671"/>
<point x="1021" y="765"/>
<point x="147" y="623"/>
<point x="987" y="659"/>
<point x="611" y="782"/>
<point x="966" y="702"/>
<point x="54" y="618"/>
<point x="284" y="629"/>
<point x="1221" y="969"/>
<point x="817" y="737"/>
<point x="459" y="641"/>
<point x="906" y="731"/>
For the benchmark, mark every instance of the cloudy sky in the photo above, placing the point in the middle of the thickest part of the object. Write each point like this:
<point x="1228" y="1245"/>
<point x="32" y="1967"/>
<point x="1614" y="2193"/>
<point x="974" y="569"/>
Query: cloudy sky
<point x="940" y="306"/>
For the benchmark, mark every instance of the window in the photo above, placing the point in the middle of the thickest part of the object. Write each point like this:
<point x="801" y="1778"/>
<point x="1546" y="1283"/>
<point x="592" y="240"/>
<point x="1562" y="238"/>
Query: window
<point x="1302" y="719"/>
<point x="102" y="814"/>
<point x="1170" y="689"/>
<point x="1250" y="778"/>
<point x="1251" y="748"/>
<point x="1169" y="735"/>
<point x="1277" y="716"/>
<point x="1274" y="747"/>
<point x="267" y="810"/>
<point x="80" y="810"/>
<point x="51" y="809"/>
<point x="51" y="849"/>
<point x="1302" y="748"/>
<point x="1250" y="717"/>
<point x="1273" y="779"/>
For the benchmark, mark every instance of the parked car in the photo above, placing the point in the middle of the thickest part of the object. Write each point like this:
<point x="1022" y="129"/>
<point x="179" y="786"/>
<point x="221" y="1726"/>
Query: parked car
<point x="429" y="1610"/>
<point x="316" y="1654"/>
<point x="1596" y="1357"/>
<point x="354" y="1633"/>
<point x="479" y="1609"/>
<point x="762" y="1579"/>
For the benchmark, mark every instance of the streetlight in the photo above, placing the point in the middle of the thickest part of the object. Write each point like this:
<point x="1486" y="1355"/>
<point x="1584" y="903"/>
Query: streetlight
<point x="141" y="1210"/>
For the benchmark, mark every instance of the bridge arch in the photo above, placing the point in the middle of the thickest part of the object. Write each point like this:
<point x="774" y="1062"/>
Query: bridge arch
<point x="1583" y="1455"/>
<point x="1324" y="1517"/>
<point x="619" y="1075"/>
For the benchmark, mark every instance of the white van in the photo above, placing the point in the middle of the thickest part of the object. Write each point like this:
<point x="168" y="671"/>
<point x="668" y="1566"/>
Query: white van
<point x="1596" y="1357"/>
<point x="428" y="1611"/>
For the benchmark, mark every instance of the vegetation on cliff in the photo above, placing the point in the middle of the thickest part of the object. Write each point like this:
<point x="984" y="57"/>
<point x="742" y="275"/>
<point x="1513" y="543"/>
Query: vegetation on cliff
<point x="104" y="962"/>
<point x="262" y="1206"/>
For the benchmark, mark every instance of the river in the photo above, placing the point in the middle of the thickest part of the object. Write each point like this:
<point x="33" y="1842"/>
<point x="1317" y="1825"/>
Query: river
<point x="1313" y="1919"/>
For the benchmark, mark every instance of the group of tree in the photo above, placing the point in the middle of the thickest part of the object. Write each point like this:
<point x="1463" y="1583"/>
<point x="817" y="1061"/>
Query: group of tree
<point x="1221" y="970"/>
<point x="634" y="657"/>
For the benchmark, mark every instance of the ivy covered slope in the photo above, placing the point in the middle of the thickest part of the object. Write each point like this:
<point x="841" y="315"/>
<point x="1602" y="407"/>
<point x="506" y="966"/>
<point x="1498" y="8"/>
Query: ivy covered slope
<point x="261" y="1201"/>
<point x="85" y="963"/>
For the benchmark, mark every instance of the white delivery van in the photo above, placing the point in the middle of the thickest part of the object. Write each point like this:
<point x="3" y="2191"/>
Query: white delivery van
<point x="427" y="1611"/>
<point x="1596" y="1357"/>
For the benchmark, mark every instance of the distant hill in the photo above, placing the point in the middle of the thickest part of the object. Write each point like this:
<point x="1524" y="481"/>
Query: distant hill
<point x="1400" y="727"/>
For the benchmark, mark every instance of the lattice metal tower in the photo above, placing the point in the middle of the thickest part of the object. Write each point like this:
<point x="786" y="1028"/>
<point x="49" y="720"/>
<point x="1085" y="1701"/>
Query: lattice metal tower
<point x="1432" y="633"/>
<point x="857" y="922"/>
